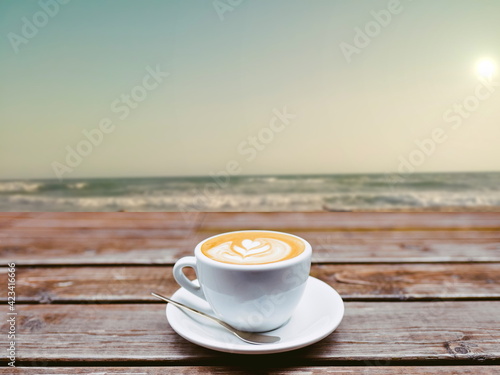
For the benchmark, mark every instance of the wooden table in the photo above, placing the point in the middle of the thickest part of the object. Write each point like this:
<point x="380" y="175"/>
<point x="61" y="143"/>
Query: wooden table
<point x="421" y="292"/>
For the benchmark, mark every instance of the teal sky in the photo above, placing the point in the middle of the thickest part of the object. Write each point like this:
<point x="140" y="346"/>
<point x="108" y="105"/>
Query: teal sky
<point x="229" y="73"/>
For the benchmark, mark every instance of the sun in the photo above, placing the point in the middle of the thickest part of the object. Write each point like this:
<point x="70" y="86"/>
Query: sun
<point x="485" y="68"/>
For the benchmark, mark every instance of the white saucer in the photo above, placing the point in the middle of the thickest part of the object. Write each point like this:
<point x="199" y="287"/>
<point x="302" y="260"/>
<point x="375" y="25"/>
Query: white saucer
<point x="319" y="313"/>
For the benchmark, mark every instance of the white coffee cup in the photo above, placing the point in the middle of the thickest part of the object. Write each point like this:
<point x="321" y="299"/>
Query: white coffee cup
<point x="250" y="297"/>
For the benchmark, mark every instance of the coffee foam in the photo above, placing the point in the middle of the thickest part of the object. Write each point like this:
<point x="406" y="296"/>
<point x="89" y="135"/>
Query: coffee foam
<point x="252" y="247"/>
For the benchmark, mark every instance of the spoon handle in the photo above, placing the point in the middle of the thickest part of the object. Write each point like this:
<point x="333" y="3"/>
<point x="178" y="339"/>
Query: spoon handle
<point x="182" y="306"/>
<point x="249" y="337"/>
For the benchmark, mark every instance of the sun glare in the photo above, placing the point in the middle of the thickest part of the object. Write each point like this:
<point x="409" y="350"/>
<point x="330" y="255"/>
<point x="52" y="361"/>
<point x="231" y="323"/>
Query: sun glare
<point x="485" y="68"/>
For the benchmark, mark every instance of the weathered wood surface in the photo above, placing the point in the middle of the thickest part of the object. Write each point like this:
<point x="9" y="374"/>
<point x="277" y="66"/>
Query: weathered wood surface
<point x="100" y="220"/>
<point x="188" y="370"/>
<point x="349" y="220"/>
<point x="275" y="220"/>
<point x="105" y="316"/>
<point x="374" y="282"/>
<point x="162" y="238"/>
<point x="68" y="245"/>
<point x="382" y="331"/>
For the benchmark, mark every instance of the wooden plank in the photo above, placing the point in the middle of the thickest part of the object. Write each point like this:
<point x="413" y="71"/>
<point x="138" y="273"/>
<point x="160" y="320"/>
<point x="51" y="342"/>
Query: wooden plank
<point x="399" y="246"/>
<point x="158" y="220"/>
<point x="96" y="251"/>
<point x="371" y="370"/>
<point x="138" y="333"/>
<point x="161" y="238"/>
<point x="294" y="221"/>
<point x="263" y="220"/>
<point x="127" y="246"/>
<point x="74" y="238"/>
<point x="83" y="233"/>
<point x="412" y="281"/>
<point x="353" y="282"/>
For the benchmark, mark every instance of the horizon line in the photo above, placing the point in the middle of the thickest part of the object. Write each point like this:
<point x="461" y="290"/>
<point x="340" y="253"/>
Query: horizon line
<point x="246" y="175"/>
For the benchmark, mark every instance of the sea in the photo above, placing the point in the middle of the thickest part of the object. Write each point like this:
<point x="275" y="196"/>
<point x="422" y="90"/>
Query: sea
<point x="348" y="192"/>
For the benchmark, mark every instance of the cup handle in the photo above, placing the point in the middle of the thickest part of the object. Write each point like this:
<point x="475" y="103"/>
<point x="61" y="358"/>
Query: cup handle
<point x="179" y="276"/>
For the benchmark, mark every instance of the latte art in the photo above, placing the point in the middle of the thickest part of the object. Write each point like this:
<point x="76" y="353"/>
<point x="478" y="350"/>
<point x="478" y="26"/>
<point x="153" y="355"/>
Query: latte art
<point x="252" y="247"/>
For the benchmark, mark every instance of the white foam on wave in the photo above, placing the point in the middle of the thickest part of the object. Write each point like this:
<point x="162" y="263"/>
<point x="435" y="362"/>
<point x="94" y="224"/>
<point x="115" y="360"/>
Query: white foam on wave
<point x="19" y="186"/>
<point x="77" y="185"/>
<point x="313" y="181"/>
<point x="412" y="199"/>
<point x="174" y="202"/>
<point x="187" y="201"/>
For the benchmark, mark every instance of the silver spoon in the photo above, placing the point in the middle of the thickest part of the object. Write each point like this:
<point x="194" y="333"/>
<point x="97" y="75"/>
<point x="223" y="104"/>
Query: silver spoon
<point x="249" y="337"/>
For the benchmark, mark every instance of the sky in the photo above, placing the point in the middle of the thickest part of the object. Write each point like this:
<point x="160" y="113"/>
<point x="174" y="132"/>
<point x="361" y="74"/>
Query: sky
<point x="173" y="88"/>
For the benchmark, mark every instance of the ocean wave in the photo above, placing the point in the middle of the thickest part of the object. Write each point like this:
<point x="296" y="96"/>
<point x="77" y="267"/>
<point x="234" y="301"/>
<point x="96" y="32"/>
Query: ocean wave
<point x="357" y="201"/>
<point x="314" y="181"/>
<point x="264" y="179"/>
<point x="77" y="185"/>
<point x="19" y="186"/>
<point x="266" y="193"/>
<point x="261" y="202"/>
<point x="179" y="202"/>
